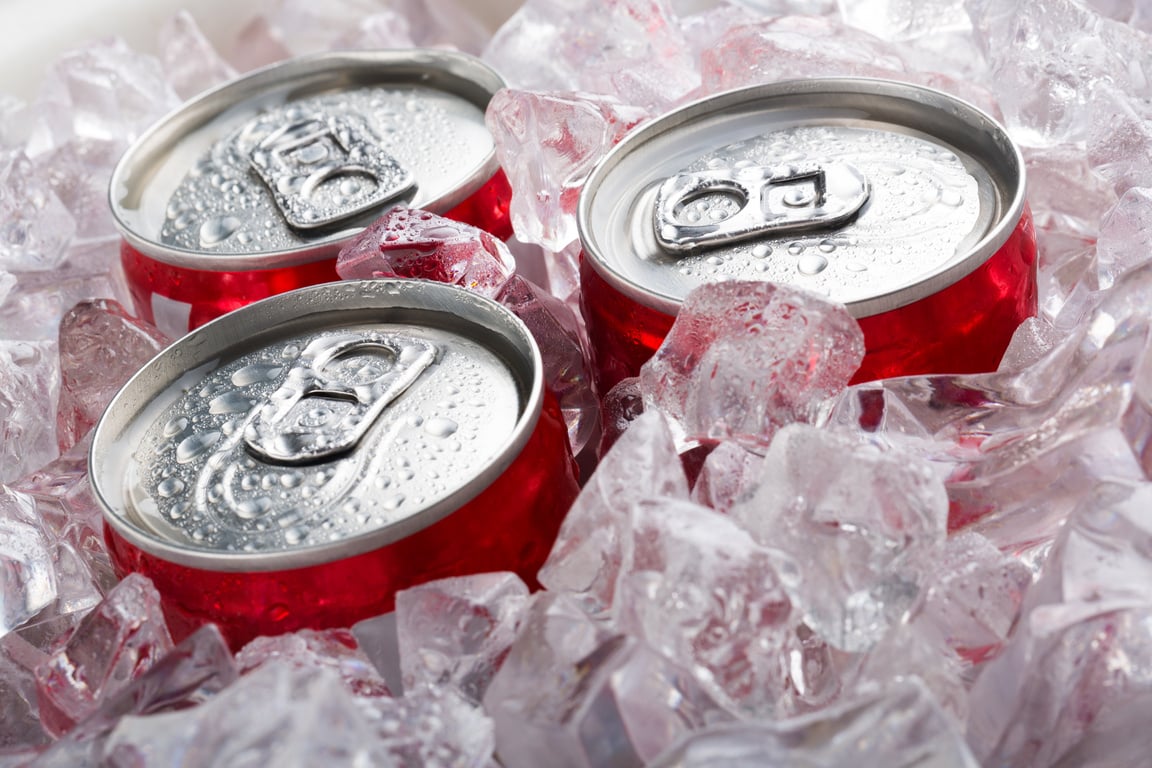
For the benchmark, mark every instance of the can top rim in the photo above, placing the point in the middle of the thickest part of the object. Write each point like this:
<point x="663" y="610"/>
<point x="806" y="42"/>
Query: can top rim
<point x="969" y="127"/>
<point x="453" y="72"/>
<point x="331" y="305"/>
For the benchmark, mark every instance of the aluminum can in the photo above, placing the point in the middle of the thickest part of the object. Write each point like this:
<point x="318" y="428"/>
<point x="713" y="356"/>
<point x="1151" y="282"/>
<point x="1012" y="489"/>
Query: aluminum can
<point x="252" y="188"/>
<point x="901" y="202"/>
<point x="298" y="461"/>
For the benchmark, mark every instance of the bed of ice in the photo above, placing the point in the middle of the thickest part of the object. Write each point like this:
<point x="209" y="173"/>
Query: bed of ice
<point x="929" y="571"/>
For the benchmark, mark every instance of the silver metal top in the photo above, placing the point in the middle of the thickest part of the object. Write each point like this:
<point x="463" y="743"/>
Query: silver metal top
<point x="873" y="193"/>
<point x="283" y="165"/>
<point x="316" y="425"/>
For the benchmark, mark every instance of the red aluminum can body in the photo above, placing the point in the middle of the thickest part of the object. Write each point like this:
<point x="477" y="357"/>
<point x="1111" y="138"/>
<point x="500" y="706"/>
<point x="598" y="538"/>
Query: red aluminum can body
<point x="958" y="316"/>
<point x="158" y="195"/>
<point x="503" y="516"/>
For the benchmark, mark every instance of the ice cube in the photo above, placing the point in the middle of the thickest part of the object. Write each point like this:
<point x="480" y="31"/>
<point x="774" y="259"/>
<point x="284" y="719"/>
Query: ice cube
<point x="861" y="525"/>
<point x="29" y="383"/>
<point x="28" y="581"/>
<point x="191" y="63"/>
<point x="900" y="727"/>
<point x="456" y="632"/>
<point x="115" y="644"/>
<point x="444" y="22"/>
<point x="725" y="477"/>
<point x="621" y="406"/>
<point x="563" y="345"/>
<point x="593" y="542"/>
<point x="745" y="358"/>
<point x="1049" y="61"/>
<point x="565" y="133"/>
<point x="575" y="693"/>
<point x="408" y="242"/>
<point x="36" y="228"/>
<point x="101" y="346"/>
<point x="19" y="714"/>
<point x="699" y="590"/>
<point x="630" y="49"/>
<point x="335" y="649"/>
<point x="1078" y="668"/>
<point x="190" y="674"/>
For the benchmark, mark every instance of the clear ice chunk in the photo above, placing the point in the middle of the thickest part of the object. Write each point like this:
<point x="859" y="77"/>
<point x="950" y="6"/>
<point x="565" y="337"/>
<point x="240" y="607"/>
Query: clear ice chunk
<point x="861" y="528"/>
<point x="728" y="471"/>
<point x="101" y="346"/>
<point x="575" y="693"/>
<point x="191" y="63"/>
<point x="592" y="546"/>
<point x="29" y="386"/>
<point x="19" y="713"/>
<point x="631" y="49"/>
<point x="565" y="133"/>
<point x="335" y="649"/>
<point x="745" y="358"/>
<point x="114" y="644"/>
<point x="28" y="579"/>
<point x="456" y="632"/>
<point x="35" y="227"/>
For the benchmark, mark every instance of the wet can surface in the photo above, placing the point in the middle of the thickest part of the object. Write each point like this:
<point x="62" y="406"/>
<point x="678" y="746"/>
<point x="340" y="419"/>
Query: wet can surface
<point x="900" y="202"/>
<point x="296" y="463"/>
<point x="252" y="188"/>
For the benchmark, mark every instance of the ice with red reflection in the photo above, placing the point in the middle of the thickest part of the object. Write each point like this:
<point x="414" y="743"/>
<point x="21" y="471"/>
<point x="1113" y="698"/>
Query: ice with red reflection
<point x="1073" y="685"/>
<point x="593" y="546"/>
<point x="745" y="358"/>
<point x="334" y="649"/>
<point x="191" y="673"/>
<point x="574" y="692"/>
<point x="565" y="134"/>
<point x="409" y="242"/>
<point x="101" y="347"/>
<point x="112" y="646"/>
<point x="456" y="632"/>
<point x="631" y="49"/>
<point x="619" y="407"/>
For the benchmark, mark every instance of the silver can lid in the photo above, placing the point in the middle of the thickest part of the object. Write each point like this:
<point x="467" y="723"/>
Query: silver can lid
<point x="873" y="193"/>
<point x="281" y="165"/>
<point x="317" y="424"/>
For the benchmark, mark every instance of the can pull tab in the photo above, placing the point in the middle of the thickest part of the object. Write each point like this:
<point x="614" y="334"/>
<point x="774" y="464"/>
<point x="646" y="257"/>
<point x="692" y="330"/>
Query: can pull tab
<point x="331" y="397"/>
<point x="706" y="208"/>
<point x="322" y="170"/>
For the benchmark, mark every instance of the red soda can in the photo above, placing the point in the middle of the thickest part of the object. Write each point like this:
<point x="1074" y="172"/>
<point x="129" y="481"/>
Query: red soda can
<point x="252" y="188"/>
<point x="901" y="202"/>
<point x="298" y="461"/>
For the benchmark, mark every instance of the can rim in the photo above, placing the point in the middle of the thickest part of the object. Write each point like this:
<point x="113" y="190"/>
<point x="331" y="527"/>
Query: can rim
<point x="264" y="321"/>
<point x="982" y="129"/>
<point x="469" y="77"/>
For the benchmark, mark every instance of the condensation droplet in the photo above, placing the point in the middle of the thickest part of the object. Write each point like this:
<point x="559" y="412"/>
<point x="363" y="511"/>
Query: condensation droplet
<point x="250" y="509"/>
<point x="796" y="248"/>
<point x="218" y="229"/>
<point x="827" y="246"/>
<point x="440" y="426"/>
<point x="175" y="426"/>
<point x="951" y="197"/>
<point x="195" y="446"/>
<point x="761" y="251"/>
<point x="170" y="487"/>
<point x="811" y="264"/>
